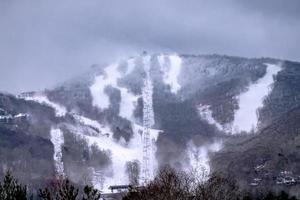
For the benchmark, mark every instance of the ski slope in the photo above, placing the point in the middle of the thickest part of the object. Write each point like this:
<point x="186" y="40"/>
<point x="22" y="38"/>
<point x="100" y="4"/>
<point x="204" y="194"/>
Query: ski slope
<point x="245" y="118"/>
<point x="171" y="67"/>
<point x="60" y="110"/>
<point x="57" y="139"/>
<point x="110" y="78"/>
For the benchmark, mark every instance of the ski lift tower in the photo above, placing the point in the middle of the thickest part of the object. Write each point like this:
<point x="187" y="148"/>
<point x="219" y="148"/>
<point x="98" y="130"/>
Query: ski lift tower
<point x="148" y="121"/>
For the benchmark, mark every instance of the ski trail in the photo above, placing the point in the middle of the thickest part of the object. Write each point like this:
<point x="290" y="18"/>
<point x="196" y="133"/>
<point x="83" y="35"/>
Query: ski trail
<point x="245" y="118"/>
<point x="171" y="71"/>
<point x="57" y="140"/>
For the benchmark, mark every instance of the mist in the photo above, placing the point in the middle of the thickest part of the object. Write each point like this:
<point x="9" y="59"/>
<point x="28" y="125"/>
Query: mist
<point x="47" y="42"/>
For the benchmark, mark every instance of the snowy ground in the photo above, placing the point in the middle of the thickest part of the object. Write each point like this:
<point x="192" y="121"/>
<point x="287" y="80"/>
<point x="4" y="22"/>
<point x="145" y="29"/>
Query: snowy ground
<point x="60" y="110"/>
<point x="110" y="78"/>
<point x="56" y="135"/>
<point x="206" y="114"/>
<point x="245" y="118"/>
<point x="127" y="104"/>
<point x="121" y="152"/>
<point x="93" y="124"/>
<point x="9" y="116"/>
<point x="199" y="158"/>
<point x="130" y="65"/>
<point x="171" y="70"/>
<point x="57" y="140"/>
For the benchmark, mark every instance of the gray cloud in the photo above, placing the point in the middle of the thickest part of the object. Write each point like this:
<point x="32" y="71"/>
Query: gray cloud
<point x="45" y="42"/>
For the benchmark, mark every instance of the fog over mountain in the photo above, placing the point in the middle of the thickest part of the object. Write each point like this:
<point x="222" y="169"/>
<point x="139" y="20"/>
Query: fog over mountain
<point x="199" y="111"/>
<point x="46" y="42"/>
<point x="108" y="92"/>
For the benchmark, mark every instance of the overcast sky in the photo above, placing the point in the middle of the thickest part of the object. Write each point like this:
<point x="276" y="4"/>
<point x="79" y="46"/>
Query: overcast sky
<point x="43" y="42"/>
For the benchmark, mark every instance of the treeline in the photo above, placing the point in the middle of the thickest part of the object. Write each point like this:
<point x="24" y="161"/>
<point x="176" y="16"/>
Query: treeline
<point x="61" y="189"/>
<point x="169" y="184"/>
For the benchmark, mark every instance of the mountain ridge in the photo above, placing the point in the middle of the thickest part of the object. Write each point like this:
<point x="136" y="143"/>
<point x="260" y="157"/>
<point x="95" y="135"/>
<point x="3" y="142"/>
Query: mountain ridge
<point x="193" y="110"/>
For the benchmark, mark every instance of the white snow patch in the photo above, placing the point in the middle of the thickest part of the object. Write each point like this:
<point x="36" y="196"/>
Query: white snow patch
<point x="100" y="98"/>
<point x="121" y="153"/>
<point x="206" y="114"/>
<point x="60" y="110"/>
<point x="21" y="115"/>
<point x="87" y="121"/>
<point x="127" y="104"/>
<point x="110" y="78"/>
<point x="162" y="62"/>
<point x="11" y="117"/>
<point x="245" y="118"/>
<point x="6" y="116"/>
<point x="97" y="178"/>
<point x="102" y="130"/>
<point x="171" y="71"/>
<point x="130" y="65"/>
<point x="57" y="139"/>
<point x="199" y="158"/>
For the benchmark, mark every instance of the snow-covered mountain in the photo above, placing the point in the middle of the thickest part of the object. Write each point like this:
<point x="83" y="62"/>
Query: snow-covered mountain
<point x="90" y="128"/>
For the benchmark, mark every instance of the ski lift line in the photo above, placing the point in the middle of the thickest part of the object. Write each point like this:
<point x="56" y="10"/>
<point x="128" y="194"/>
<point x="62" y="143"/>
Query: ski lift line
<point x="147" y="123"/>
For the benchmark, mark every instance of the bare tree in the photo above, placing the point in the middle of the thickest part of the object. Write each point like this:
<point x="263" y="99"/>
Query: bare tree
<point x="179" y="185"/>
<point x="63" y="189"/>
<point x="133" y="171"/>
<point x="217" y="188"/>
<point x="168" y="184"/>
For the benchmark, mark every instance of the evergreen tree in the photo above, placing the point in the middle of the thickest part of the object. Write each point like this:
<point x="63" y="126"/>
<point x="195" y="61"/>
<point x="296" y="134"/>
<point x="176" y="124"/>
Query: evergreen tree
<point x="269" y="196"/>
<point x="67" y="191"/>
<point x="10" y="189"/>
<point x="45" y="194"/>
<point x="90" y="193"/>
<point x="64" y="190"/>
